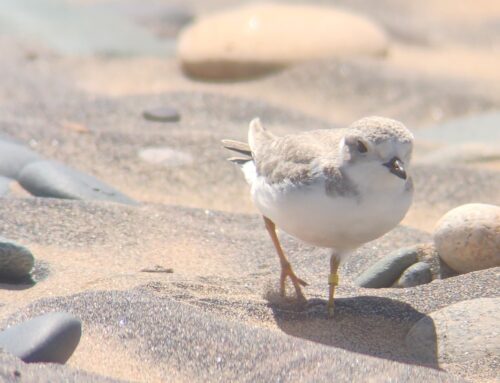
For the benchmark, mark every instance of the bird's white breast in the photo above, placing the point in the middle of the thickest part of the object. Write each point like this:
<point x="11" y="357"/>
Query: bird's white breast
<point x="339" y="222"/>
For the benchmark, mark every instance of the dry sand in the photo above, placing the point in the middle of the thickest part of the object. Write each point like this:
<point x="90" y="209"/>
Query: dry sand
<point x="221" y="296"/>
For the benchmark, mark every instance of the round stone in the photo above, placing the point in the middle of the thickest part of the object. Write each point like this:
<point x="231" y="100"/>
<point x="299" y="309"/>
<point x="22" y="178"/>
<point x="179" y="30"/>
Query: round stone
<point x="259" y="38"/>
<point x="467" y="238"/>
<point x="16" y="261"/>
<point x="50" y="338"/>
<point x="415" y="275"/>
<point x="162" y="114"/>
<point x="459" y="333"/>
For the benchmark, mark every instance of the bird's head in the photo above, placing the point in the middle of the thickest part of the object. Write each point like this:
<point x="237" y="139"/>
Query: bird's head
<point x="377" y="150"/>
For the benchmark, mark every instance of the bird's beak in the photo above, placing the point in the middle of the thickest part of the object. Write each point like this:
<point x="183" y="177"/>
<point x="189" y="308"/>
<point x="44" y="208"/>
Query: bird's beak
<point x="396" y="167"/>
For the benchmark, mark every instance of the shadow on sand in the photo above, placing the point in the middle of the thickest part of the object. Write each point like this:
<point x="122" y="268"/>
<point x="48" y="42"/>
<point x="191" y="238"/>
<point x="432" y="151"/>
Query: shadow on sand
<point x="368" y="325"/>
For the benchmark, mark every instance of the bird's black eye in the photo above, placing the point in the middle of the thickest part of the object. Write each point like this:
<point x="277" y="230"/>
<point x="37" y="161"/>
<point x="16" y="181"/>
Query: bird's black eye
<point x="361" y="147"/>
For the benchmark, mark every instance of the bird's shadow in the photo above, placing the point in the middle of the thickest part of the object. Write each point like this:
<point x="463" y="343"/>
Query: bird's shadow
<point x="368" y="325"/>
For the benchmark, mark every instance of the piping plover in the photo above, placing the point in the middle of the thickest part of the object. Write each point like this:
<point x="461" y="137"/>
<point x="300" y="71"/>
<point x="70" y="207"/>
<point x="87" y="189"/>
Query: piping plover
<point x="333" y="188"/>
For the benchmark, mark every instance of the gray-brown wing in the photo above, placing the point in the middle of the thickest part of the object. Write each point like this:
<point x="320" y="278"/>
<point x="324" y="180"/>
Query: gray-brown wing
<point x="294" y="157"/>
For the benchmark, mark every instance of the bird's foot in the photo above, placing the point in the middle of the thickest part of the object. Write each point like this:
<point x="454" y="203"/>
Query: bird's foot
<point x="286" y="271"/>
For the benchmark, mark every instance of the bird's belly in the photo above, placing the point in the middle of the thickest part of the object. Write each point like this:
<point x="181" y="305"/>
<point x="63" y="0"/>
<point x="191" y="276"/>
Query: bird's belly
<point x="339" y="222"/>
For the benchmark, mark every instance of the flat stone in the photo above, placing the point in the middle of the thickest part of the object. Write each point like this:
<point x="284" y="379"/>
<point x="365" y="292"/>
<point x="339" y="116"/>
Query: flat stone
<point x="480" y="128"/>
<point x="465" y="153"/>
<point x="50" y="338"/>
<point x="66" y="28"/>
<point x="16" y="261"/>
<point x="417" y="274"/>
<point x="460" y="333"/>
<point x="55" y="180"/>
<point x="467" y="238"/>
<point x="13" y="157"/>
<point x="387" y="270"/>
<point x="165" y="156"/>
<point x="5" y="186"/>
<point x="258" y="38"/>
<point x="162" y="114"/>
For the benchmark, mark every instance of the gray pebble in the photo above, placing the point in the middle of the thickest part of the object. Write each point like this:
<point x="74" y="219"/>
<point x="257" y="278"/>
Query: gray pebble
<point x="16" y="261"/>
<point x="415" y="275"/>
<point x="388" y="269"/>
<point x="53" y="179"/>
<point x="162" y="114"/>
<point x="50" y="338"/>
<point x="14" y="157"/>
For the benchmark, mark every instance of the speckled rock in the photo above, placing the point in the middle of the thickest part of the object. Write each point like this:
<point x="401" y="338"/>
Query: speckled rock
<point x="387" y="270"/>
<point x="53" y="179"/>
<point x="417" y="274"/>
<point x="459" y="333"/>
<point x="467" y="238"/>
<point x="50" y="338"/>
<point x="258" y="38"/>
<point x="16" y="261"/>
<point x="13" y="157"/>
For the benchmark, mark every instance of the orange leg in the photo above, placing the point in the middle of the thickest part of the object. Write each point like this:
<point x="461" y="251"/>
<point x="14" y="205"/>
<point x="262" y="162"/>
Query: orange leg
<point x="286" y="268"/>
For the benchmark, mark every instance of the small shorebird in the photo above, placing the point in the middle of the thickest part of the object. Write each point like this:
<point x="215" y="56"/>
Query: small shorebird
<point x="333" y="188"/>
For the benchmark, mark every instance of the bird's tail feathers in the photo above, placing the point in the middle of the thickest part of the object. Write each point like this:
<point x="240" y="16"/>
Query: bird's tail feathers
<point x="239" y="147"/>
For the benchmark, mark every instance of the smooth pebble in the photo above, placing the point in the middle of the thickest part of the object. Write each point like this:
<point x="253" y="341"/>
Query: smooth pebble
<point x="415" y="275"/>
<point x="387" y="270"/>
<point x="162" y="114"/>
<point x="50" y="338"/>
<point x="467" y="238"/>
<point x="56" y="180"/>
<point x="258" y="38"/>
<point x="16" y="261"/>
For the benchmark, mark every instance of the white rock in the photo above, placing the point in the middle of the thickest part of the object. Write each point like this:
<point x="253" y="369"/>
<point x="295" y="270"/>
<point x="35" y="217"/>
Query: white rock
<point x="467" y="238"/>
<point x="165" y="156"/>
<point x="459" y="333"/>
<point x="256" y="38"/>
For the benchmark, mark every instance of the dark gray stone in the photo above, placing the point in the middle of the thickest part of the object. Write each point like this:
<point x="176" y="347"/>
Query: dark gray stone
<point x="16" y="261"/>
<point x="4" y="186"/>
<point x="53" y="179"/>
<point x="162" y="114"/>
<point x="415" y="275"/>
<point x="50" y="338"/>
<point x="13" y="157"/>
<point x="388" y="269"/>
